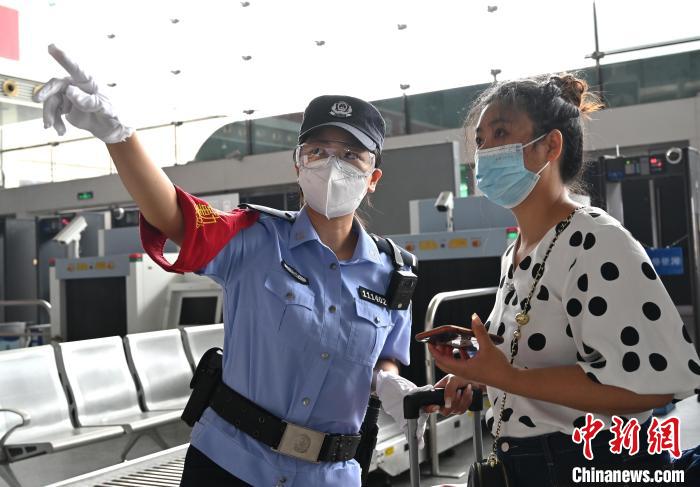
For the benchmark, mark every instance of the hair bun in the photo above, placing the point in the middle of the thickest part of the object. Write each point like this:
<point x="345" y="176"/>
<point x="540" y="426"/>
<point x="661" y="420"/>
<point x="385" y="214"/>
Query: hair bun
<point x="575" y="91"/>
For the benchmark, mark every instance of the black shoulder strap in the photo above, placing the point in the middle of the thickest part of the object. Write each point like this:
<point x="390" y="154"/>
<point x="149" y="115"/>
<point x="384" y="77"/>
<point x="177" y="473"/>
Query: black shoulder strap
<point x="285" y="215"/>
<point x="400" y="258"/>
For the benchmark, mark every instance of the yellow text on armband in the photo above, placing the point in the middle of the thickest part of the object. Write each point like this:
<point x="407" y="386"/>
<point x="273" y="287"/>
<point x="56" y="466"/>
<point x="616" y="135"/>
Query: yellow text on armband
<point x="206" y="215"/>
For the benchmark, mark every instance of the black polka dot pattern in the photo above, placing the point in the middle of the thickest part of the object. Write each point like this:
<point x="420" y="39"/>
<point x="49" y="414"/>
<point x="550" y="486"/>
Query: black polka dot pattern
<point x="657" y="362"/>
<point x="592" y="377"/>
<point x="573" y="307"/>
<point x="589" y="242"/>
<point x="576" y="239"/>
<point x="509" y="249"/>
<point x="526" y="421"/>
<point x="501" y="329"/>
<point x="487" y="325"/>
<point x="694" y="366"/>
<point x="648" y="271"/>
<point x="609" y="271"/>
<point x="597" y="306"/>
<point x="510" y="272"/>
<point x="507" y="413"/>
<point x="629" y="336"/>
<point x="594" y="215"/>
<point x="627" y="331"/>
<point x="582" y="283"/>
<point x="651" y="311"/>
<point x="537" y="341"/>
<point x="489" y="423"/>
<point x="599" y="365"/>
<point x="630" y="362"/>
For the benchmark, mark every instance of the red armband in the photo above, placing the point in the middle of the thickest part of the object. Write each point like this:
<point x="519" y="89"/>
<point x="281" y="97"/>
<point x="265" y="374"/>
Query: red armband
<point x="207" y="231"/>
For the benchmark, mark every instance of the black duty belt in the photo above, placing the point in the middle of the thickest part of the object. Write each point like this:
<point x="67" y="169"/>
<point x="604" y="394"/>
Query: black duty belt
<point x="283" y="437"/>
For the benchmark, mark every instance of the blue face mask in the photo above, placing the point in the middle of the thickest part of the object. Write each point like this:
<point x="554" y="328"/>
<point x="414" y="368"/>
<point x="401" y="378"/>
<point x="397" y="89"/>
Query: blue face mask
<point x="502" y="176"/>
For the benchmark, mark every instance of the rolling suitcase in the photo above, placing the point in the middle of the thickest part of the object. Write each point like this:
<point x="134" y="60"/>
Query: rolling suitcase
<point x="412" y="405"/>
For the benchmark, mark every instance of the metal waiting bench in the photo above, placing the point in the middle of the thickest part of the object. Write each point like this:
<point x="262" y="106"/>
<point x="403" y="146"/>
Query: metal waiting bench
<point x="160" y="366"/>
<point x="35" y="418"/>
<point x="200" y="338"/>
<point x="103" y="391"/>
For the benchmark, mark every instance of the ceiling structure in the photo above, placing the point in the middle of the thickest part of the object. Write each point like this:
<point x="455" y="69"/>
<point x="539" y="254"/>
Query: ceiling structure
<point x="161" y="61"/>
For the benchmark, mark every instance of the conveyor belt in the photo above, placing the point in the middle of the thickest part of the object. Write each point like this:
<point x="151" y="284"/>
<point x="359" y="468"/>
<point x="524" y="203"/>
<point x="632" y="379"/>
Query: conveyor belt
<point x="162" y="469"/>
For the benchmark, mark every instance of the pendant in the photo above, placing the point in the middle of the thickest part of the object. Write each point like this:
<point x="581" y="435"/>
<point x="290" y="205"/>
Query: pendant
<point x="492" y="460"/>
<point x="522" y="319"/>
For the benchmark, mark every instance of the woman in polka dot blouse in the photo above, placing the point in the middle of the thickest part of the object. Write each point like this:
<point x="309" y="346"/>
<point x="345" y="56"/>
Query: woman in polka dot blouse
<point x="603" y="335"/>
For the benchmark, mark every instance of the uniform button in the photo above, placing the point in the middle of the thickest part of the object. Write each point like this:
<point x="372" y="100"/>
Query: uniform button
<point x="325" y="355"/>
<point x="281" y="481"/>
<point x="290" y="295"/>
<point x="505" y="446"/>
<point x="376" y="319"/>
<point x="331" y="308"/>
<point x="334" y="266"/>
<point x="306" y="401"/>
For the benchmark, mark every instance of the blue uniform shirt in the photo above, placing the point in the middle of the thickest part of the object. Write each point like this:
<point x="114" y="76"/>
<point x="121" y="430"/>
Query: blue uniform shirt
<point x="300" y="343"/>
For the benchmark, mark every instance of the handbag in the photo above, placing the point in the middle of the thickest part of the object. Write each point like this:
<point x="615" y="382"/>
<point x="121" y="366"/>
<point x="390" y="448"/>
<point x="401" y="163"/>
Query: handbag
<point x="491" y="472"/>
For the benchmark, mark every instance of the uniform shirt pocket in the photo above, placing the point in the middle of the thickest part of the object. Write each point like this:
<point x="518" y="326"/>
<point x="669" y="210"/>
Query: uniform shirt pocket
<point x="368" y="332"/>
<point x="291" y="311"/>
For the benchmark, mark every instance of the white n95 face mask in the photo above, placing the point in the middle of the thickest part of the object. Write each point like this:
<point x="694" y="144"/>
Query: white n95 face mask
<point x="333" y="189"/>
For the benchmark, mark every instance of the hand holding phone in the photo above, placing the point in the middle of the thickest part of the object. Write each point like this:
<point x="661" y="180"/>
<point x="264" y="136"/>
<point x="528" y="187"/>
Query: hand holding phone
<point x="454" y="336"/>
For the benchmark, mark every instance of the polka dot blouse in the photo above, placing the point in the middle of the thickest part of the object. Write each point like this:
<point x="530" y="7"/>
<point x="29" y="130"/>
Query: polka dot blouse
<point x="600" y="305"/>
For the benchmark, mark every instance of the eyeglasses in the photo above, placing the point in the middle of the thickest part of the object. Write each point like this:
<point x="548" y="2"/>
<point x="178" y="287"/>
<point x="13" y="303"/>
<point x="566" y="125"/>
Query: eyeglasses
<point x="317" y="153"/>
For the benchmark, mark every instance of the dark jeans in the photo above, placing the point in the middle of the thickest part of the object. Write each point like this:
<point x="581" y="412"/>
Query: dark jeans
<point x="549" y="460"/>
<point x="201" y="471"/>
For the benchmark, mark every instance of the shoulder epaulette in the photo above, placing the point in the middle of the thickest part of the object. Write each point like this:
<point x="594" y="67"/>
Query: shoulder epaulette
<point x="285" y="215"/>
<point x="400" y="258"/>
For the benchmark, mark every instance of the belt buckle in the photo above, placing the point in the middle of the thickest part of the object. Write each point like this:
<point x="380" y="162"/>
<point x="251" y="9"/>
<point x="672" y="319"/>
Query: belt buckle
<point x="301" y="443"/>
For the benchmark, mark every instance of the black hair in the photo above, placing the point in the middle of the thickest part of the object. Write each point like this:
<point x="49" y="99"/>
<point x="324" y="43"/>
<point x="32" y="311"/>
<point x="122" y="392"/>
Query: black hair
<point x="552" y="102"/>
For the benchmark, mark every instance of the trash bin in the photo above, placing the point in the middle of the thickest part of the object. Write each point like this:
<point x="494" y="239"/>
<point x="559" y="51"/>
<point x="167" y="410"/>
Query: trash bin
<point x="13" y="335"/>
<point x="39" y="335"/>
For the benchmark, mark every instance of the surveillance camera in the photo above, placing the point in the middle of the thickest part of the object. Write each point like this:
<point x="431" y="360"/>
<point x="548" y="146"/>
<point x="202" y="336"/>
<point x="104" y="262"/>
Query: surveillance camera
<point x="445" y="201"/>
<point x="71" y="232"/>
<point x="118" y="213"/>
<point x="674" y="155"/>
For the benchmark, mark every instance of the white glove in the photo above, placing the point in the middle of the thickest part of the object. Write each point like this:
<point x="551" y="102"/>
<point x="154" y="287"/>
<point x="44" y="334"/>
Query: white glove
<point x="78" y="97"/>
<point x="391" y="389"/>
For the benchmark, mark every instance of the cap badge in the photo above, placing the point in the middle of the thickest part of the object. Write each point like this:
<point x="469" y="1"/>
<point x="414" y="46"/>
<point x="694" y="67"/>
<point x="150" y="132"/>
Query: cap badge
<point x="341" y="109"/>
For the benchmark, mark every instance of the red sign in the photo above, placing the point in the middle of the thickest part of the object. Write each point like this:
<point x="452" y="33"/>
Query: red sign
<point x="9" y="33"/>
<point x="661" y="436"/>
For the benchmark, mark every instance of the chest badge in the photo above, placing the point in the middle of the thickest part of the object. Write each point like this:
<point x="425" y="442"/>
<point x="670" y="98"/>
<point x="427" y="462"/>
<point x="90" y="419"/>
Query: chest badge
<point x="295" y="273"/>
<point x="372" y="297"/>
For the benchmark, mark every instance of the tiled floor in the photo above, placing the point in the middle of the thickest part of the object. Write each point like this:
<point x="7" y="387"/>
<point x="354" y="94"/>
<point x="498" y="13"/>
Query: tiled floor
<point x="46" y="469"/>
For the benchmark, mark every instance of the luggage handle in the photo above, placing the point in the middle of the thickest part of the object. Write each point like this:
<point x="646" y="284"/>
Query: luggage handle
<point x="413" y="403"/>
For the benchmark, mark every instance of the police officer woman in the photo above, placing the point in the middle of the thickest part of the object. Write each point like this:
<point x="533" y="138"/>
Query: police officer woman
<point x="309" y="328"/>
<point x="589" y="326"/>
